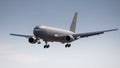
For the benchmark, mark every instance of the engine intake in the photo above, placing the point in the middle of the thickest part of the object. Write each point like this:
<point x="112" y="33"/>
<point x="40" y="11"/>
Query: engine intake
<point x="69" y="38"/>
<point x="32" y="40"/>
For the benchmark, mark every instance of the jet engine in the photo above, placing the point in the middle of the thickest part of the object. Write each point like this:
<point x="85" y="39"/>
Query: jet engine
<point x="69" y="38"/>
<point x="32" y="40"/>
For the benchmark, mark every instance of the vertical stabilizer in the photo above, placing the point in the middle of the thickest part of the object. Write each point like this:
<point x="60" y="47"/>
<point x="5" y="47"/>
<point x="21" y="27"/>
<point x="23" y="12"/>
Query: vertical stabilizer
<point x="73" y="24"/>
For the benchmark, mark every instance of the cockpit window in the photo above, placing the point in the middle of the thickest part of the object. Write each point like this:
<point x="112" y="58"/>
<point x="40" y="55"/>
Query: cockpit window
<point x="36" y="27"/>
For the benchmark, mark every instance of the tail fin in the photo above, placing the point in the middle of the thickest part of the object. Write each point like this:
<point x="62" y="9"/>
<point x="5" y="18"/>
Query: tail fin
<point x="73" y="24"/>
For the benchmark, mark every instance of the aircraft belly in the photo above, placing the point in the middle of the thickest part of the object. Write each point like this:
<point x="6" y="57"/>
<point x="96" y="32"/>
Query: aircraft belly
<point x="54" y="39"/>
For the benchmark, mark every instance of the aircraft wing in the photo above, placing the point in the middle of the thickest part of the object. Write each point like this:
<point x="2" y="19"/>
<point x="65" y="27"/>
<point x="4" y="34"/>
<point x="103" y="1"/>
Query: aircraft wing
<point x="82" y="35"/>
<point x="20" y="35"/>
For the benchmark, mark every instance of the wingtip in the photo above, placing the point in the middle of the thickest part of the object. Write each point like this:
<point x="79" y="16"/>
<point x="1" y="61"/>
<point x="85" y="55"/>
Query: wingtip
<point x="10" y="34"/>
<point x="115" y="29"/>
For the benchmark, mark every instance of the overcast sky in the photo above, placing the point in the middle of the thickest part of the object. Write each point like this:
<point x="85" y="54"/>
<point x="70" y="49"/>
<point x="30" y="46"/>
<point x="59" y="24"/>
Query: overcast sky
<point x="21" y="16"/>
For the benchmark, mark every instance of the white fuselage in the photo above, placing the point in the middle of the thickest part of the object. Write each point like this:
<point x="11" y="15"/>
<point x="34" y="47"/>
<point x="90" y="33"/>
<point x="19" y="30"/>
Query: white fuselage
<point x="50" y="34"/>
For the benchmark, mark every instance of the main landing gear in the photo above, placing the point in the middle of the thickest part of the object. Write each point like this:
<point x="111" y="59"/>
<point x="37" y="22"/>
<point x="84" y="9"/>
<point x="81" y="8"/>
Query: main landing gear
<point x="46" y="45"/>
<point x="67" y="45"/>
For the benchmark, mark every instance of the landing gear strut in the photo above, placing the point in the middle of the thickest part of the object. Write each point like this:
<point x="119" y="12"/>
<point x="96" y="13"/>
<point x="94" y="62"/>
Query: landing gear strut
<point x="67" y="45"/>
<point x="46" y="45"/>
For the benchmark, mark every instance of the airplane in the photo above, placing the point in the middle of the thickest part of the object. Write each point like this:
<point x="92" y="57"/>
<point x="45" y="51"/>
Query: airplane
<point x="51" y="34"/>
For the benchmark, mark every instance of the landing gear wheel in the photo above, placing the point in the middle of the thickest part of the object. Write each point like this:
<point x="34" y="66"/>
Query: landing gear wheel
<point x="46" y="46"/>
<point x="67" y="45"/>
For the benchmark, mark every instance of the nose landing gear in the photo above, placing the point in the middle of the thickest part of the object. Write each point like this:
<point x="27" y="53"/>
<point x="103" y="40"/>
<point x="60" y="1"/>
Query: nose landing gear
<point x="39" y="42"/>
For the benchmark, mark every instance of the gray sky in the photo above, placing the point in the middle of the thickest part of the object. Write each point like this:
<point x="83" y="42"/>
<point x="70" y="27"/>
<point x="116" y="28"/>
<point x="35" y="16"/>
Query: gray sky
<point x="21" y="16"/>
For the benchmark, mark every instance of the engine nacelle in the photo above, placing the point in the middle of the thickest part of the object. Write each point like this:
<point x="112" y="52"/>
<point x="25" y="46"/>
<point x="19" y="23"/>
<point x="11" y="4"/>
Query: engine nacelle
<point x="69" y="38"/>
<point x="32" y="40"/>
